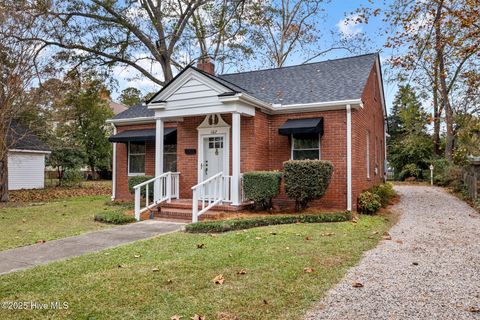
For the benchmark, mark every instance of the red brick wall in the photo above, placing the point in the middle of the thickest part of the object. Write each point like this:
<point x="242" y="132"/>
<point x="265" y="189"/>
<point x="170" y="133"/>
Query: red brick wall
<point x="369" y="118"/>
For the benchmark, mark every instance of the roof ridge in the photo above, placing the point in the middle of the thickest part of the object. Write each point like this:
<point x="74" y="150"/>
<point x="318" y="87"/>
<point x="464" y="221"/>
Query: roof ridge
<point x="298" y="65"/>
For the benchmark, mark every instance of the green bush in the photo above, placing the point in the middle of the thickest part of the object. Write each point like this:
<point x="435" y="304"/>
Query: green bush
<point x="261" y="186"/>
<point x="446" y="174"/>
<point x="133" y="181"/>
<point x="239" y="224"/>
<point x="368" y="202"/>
<point x="410" y="171"/>
<point x="306" y="180"/>
<point x="72" y="178"/>
<point x="385" y="192"/>
<point x="114" y="217"/>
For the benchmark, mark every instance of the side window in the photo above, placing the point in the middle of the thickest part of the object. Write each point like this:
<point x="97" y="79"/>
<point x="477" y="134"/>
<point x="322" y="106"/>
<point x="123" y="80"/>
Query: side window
<point x="305" y="147"/>
<point x="368" y="153"/>
<point x="136" y="158"/>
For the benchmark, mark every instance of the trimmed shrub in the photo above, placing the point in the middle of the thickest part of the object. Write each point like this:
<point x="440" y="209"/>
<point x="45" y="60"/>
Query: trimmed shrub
<point x="368" y="202"/>
<point x="306" y="180"/>
<point x="239" y="224"/>
<point x="133" y="181"/>
<point x="385" y="192"/>
<point x="261" y="186"/>
<point x="72" y="178"/>
<point x="114" y="217"/>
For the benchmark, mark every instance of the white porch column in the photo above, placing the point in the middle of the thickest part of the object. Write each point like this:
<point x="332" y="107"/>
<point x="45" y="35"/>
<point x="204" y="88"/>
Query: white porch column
<point x="349" y="157"/>
<point x="159" y="133"/>
<point x="236" y="188"/>
<point x="114" y="166"/>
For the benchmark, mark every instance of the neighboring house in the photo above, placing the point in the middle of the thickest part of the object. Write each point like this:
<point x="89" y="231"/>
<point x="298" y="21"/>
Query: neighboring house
<point x="233" y="123"/>
<point x="116" y="107"/>
<point x="26" y="159"/>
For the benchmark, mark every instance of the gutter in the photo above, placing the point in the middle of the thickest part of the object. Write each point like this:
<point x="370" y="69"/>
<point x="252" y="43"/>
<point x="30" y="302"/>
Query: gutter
<point x="30" y="151"/>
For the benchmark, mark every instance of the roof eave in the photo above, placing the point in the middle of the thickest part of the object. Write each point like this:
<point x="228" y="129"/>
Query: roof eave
<point x="126" y="121"/>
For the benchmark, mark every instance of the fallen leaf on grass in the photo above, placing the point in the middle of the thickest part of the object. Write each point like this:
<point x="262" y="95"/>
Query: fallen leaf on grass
<point x="354" y="219"/>
<point x="265" y="301"/>
<point x="176" y="317"/>
<point x="24" y="220"/>
<point x="219" y="279"/>
<point x="258" y="238"/>
<point x="226" y="316"/>
<point x="169" y="281"/>
<point x="308" y="238"/>
<point x="41" y="241"/>
<point x="273" y="233"/>
<point x="242" y="271"/>
<point x="375" y="232"/>
<point x="328" y="234"/>
<point x="197" y="317"/>
<point x="200" y="245"/>
<point x="120" y="266"/>
<point x="137" y="256"/>
<point x="213" y="235"/>
<point x="308" y="270"/>
<point x="155" y="269"/>
<point x="386" y="238"/>
<point x="357" y="284"/>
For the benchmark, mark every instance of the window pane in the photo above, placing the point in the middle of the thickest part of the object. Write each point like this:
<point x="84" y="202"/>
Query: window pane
<point x="137" y="147"/>
<point x="308" y="143"/>
<point x="305" y="155"/>
<point x="170" y="162"/>
<point x="137" y="164"/>
<point x="170" y="148"/>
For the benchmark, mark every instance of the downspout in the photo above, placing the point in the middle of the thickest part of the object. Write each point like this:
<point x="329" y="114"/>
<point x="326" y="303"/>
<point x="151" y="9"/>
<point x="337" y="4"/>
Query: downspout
<point x="349" y="157"/>
<point x="114" y="165"/>
<point x="385" y="126"/>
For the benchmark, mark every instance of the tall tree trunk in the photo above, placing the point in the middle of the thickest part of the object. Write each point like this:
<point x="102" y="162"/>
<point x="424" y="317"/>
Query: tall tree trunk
<point x="439" y="47"/>
<point x="437" y="112"/>
<point x="4" y="178"/>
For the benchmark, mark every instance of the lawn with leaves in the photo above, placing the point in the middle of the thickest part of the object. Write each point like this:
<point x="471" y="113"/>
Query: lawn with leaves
<point x="29" y="223"/>
<point x="274" y="272"/>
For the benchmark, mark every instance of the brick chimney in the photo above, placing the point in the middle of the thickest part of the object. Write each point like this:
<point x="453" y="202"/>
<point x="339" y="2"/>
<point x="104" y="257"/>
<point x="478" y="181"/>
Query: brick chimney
<point x="205" y="64"/>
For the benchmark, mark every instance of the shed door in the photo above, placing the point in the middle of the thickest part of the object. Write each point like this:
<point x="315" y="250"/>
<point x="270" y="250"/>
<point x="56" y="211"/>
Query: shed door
<point x="26" y="170"/>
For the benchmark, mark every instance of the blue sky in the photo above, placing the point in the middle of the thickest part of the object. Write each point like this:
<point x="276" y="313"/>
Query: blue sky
<point x="336" y="10"/>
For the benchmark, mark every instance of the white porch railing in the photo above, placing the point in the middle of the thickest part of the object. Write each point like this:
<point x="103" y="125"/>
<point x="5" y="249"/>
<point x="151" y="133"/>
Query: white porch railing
<point x="209" y="193"/>
<point x="164" y="187"/>
<point x="227" y="189"/>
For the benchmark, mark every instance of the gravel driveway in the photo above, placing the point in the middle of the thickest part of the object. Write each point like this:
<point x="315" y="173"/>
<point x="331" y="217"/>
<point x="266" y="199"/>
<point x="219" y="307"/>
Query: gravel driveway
<point x="429" y="270"/>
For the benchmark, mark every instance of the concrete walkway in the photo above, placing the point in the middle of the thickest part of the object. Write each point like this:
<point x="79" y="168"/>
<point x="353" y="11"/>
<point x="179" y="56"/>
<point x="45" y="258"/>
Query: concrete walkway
<point x="38" y="254"/>
<point x="430" y="269"/>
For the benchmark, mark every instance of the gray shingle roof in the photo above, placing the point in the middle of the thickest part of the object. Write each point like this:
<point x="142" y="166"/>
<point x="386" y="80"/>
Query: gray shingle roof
<point x="19" y="138"/>
<point x="331" y="80"/>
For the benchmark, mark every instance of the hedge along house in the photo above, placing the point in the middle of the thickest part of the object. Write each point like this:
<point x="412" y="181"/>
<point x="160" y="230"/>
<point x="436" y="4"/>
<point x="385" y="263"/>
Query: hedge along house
<point x="199" y="133"/>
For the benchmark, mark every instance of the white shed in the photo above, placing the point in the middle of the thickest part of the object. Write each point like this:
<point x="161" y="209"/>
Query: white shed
<point x="26" y="160"/>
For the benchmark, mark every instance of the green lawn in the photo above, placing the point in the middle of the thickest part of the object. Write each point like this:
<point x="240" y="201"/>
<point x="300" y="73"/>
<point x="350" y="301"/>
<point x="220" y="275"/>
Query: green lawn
<point x="121" y="283"/>
<point x="26" y="224"/>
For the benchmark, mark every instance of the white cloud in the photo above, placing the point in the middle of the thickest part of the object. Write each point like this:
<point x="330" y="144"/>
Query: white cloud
<point x="348" y="27"/>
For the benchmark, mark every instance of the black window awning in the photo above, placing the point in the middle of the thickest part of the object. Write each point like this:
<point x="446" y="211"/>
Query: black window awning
<point x="170" y="136"/>
<point x="302" y="126"/>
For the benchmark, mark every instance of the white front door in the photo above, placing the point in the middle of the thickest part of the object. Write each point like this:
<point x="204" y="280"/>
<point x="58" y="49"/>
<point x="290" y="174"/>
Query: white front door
<point x="213" y="156"/>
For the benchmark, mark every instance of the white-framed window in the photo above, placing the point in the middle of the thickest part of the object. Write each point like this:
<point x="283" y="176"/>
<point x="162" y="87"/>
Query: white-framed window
<point x="170" y="158"/>
<point x="136" y="158"/>
<point x="368" y="154"/>
<point x="305" y="147"/>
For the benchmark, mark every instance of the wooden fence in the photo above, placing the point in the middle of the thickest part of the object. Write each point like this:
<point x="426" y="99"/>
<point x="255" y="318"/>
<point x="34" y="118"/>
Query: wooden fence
<point x="471" y="177"/>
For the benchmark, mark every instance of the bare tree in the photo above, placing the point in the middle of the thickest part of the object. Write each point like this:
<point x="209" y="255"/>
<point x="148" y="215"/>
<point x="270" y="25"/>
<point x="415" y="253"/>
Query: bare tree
<point x="147" y="35"/>
<point x="17" y="72"/>
<point x="282" y="29"/>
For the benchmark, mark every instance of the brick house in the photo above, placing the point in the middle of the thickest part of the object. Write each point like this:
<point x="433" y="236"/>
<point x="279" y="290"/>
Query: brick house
<point x="215" y="127"/>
